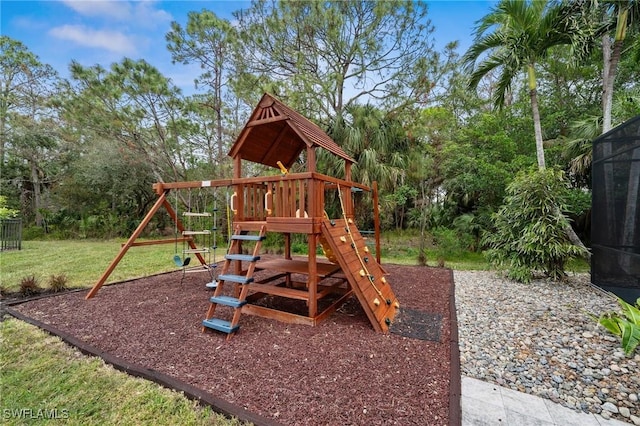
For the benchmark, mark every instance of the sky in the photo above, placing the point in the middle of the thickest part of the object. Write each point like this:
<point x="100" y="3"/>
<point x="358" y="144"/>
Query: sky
<point x="103" y="32"/>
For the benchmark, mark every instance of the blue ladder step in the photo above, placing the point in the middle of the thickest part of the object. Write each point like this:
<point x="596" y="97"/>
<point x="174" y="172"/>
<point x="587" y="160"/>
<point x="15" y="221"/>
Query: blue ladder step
<point x="247" y="237"/>
<point x="241" y="279"/>
<point x="220" y="325"/>
<point x="243" y="257"/>
<point x="228" y="301"/>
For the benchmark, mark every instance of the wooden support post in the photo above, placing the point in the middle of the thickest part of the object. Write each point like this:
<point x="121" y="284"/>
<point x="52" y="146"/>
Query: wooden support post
<point x="125" y="247"/>
<point x="346" y="193"/>
<point x="313" y="276"/>
<point x="311" y="158"/>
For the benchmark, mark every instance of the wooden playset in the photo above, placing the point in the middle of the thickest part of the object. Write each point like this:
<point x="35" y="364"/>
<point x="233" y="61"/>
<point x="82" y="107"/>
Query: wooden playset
<point x="289" y="203"/>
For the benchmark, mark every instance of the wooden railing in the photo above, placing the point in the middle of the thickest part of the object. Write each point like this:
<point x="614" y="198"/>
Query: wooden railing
<point x="296" y="195"/>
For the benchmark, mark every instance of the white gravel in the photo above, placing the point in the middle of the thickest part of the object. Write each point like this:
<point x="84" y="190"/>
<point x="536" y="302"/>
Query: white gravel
<point x="538" y="338"/>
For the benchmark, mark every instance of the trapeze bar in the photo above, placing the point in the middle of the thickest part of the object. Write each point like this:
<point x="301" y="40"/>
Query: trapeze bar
<point x="200" y="250"/>
<point x="196" y="232"/>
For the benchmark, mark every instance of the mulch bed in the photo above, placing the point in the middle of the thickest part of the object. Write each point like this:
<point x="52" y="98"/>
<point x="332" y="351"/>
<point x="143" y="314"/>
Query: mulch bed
<point x="339" y="372"/>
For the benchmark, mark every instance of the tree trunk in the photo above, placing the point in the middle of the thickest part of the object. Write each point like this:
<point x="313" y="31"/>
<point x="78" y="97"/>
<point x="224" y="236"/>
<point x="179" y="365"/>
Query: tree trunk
<point x="537" y="127"/>
<point x="37" y="193"/>
<point x="422" y="251"/>
<point x="608" y="76"/>
<point x="3" y="125"/>
<point x="611" y="59"/>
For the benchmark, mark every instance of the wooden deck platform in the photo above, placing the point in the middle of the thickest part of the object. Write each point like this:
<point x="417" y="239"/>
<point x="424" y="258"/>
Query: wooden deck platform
<point x="297" y="290"/>
<point x="325" y="269"/>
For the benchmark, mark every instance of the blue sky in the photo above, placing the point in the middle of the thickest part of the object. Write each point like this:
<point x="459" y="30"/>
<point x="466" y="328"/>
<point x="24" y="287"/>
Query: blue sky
<point x="103" y="32"/>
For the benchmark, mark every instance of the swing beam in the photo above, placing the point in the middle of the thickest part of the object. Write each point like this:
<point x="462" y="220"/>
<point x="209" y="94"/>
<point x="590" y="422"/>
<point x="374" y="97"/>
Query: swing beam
<point x="162" y="189"/>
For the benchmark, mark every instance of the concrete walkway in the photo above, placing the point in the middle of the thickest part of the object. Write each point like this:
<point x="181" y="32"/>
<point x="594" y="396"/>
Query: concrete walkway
<point x="489" y="404"/>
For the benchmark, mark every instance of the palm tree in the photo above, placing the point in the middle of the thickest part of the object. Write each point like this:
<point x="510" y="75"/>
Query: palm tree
<point x="515" y="36"/>
<point x="620" y="16"/>
<point x="378" y="143"/>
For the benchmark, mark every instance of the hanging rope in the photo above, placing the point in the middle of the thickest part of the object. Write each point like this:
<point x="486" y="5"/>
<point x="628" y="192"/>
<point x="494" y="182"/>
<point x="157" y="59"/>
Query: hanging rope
<point x="177" y="259"/>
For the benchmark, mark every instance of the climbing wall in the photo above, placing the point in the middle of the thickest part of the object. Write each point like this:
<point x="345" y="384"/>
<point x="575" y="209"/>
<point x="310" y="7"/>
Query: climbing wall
<point x="366" y="277"/>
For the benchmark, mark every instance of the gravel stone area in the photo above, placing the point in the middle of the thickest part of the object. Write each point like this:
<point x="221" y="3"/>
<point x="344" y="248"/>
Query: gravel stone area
<point x="538" y="338"/>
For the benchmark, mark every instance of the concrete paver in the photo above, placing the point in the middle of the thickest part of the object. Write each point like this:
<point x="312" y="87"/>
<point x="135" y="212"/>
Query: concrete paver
<point x="488" y="404"/>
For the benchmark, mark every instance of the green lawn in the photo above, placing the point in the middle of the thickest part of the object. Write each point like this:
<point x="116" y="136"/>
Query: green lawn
<point x="42" y="377"/>
<point x="83" y="261"/>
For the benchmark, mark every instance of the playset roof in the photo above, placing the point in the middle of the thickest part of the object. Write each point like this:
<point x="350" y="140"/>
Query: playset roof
<point x="276" y="132"/>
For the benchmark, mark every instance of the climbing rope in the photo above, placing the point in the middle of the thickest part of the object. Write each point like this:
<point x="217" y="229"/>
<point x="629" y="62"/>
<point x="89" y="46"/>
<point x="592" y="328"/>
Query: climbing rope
<point x="353" y="244"/>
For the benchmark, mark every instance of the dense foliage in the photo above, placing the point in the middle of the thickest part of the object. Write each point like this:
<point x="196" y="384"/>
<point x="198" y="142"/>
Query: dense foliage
<point x="528" y="232"/>
<point x="79" y="155"/>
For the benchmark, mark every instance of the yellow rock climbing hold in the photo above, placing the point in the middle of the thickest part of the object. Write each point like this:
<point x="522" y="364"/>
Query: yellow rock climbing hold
<point x="376" y="302"/>
<point x="366" y="249"/>
<point x="343" y="239"/>
<point x="362" y="273"/>
<point x="396" y="305"/>
<point x="384" y="280"/>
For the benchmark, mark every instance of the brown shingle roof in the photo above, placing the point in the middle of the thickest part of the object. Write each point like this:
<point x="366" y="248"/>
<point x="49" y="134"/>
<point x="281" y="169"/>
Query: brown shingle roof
<point x="276" y="132"/>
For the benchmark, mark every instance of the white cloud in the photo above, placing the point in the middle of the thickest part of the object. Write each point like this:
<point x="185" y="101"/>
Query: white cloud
<point x="120" y="10"/>
<point x="147" y="15"/>
<point x="112" y="41"/>
<point x="142" y="13"/>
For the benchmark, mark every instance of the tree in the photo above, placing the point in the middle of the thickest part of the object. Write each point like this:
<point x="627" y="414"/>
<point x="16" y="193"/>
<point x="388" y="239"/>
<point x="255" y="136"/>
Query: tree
<point x="377" y="142"/>
<point x="23" y="78"/>
<point x="27" y="127"/>
<point x="620" y="16"/>
<point x="342" y="52"/>
<point x="6" y="212"/>
<point x="528" y="234"/>
<point x="522" y="34"/>
<point x="212" y="43"/>
<point x="136" y="106"/>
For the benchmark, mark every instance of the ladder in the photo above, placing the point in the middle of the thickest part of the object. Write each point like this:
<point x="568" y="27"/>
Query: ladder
<point x="234" y="298"/>
<point x="198" y="251"/>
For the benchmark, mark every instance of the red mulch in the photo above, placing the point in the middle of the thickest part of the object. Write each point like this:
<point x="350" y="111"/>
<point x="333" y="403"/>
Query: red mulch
<point x="339" y="372"/>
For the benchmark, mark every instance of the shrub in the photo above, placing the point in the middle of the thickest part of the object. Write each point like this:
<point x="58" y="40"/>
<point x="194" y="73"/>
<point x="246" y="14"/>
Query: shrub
<point x="33" y="233"/>
<point x="529" y="229"/>
<point x="29" y="286"/>
<point x="6" y="212"/>
<point x="450" y="243"/>
<point x="627" y="327"/>
<point x="58" y="283"/>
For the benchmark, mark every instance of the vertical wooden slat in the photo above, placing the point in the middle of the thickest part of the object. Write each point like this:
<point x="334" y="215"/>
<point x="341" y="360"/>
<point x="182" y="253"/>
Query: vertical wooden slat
<point x="301" y="199"/>
<point x="279" y="200"/>
<point x="291" y="201"/>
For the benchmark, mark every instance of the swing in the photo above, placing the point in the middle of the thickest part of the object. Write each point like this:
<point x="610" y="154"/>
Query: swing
<point x="177" y="259"/>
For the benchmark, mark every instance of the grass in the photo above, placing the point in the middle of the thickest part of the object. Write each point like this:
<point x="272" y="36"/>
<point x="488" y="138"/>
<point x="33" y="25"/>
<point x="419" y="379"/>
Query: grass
<point x="83" y="261"/>
<point x="41" y="377"/>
